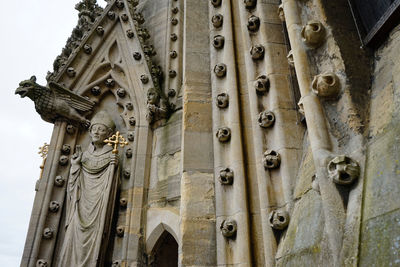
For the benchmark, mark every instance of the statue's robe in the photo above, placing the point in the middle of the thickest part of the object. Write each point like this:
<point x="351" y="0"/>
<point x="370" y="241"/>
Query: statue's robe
<point x="90" y="201"/>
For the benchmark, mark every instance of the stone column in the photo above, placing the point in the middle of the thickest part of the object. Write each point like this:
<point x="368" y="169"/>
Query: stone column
<point x="197" y="212"/>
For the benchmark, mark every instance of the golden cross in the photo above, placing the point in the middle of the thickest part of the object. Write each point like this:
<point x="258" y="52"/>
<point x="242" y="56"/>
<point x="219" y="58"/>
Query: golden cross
<point x="43" y="151"/>
<point x="116" y="140"/>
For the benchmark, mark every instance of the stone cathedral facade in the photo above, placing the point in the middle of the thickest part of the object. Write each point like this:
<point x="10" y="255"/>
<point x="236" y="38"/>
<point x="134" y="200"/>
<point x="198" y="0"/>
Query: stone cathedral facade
<point x="221" y="133"/>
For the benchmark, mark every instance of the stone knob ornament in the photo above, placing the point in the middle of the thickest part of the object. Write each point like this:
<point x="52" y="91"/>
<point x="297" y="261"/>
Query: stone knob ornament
<point x="217" y="20"/>
<point x="124" y="17"/>
<point x="173" y="37"/>
<point x="222" y="100"/>
<point x="279" y="219"/>
<point x="144" y="78"/>
<point x="228" y="228"/>
<point x="271" y="159"/>
<point x="48" y="233"/>
<point x="220" y="70"/>
<point x="95" y="90"/>
<point x="262" y="84"/>
<point x="266" y="119"/>
<point x="131" y="136"/>
<point x="290" y="58"/>
<point x="42" y="263"/>
<point x="100" y="30"/>
<point x="281" y="13"/>
<point x="343" y="170"/>
<point x="223" y="134"/>
<point x="120" y="231"/>
<point x="313" y="33"/>
<point x="54" y="206"/>
<point x="87" y="48"/>
<point x="250" y="4"/>
<point x="218" y="41"/>
<point x="253" y="23"/>
<point x="63" y="160"/>
<point x="216" y="3"/>
<point x="226" y="176"/>
<point x="326" y="85"/>
<point x="71" y="72"/>
<point x="116" y="263"/>
<point x="257" y="52"/>
<point x="59" y="181"/>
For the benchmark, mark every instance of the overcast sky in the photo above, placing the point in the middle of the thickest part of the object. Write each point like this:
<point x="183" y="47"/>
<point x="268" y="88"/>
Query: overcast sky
<point x="33" y="32"/>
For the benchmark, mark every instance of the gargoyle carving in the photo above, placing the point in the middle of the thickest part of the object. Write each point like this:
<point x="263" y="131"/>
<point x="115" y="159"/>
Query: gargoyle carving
<point x="55" y="102"/>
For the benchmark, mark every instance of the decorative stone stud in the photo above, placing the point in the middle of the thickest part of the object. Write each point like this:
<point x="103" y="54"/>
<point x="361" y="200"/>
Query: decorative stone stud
<point x="218" y="41"/>
<point x="173" y="37"/>
<point x="279" y="219"/>
<point x="290" y="58"/>
<point x="174" y="21"/>
<point x="220" y="70"/>
<point x="95" y="90"/>
<point x="70" y="129"/>
<point x="123" y="203"/>
<point x="326" y="85"/>
<point x="262" y="84"/>
<point x="132" y="121"/>
<point x="130" y="33"/>
<point x="253" y="23"/>
<point x="228" y="228"/>
<point x="87" y="48"/>
<point x="71" y="72"/>
<point x="216" y="3"/>
<point x="266" y="119"/>
<point x="271" y="159"/>
<point x="129" y="106"/>
<point x="171" y="93"/>
<point x="343" y="170"/>
<point x="100" y="30"/>
<point x="59" y="181"/>
<point x="110" y="82"/>
<point x="144" y="79"/>
<point x="313" y="33"/>
<point x="131" y="136"/>
<point x="250" y="4"/>
<point x="257" y="51"/>
<point x="222" y="100"/>
<point x="119" y="4"/>
<point x="217" y="20"/>
<point x="127" y="174"/>
<point x="226" y="176"/>
<point x="120" y="231"/>
<point x="63" y="160"/>
<point x="281" y="13"/>
<point x="116" y="263"/>
<point x="301" y="106"/>
<point x="173" y="54"/>
<point x="111" y="15"/>
<point x="223" y="134"/>
<point x="175" y="10"/>
<point x="121" y="92"/>
<point x="48" y="233"/>
<point x="42" y="263"/>
<point x="129" y="153"/>
<point x="66" y="149"/>
<point x="124" y="17"/>
<point x="54" y="206"/>
<point x="172" y="74"/>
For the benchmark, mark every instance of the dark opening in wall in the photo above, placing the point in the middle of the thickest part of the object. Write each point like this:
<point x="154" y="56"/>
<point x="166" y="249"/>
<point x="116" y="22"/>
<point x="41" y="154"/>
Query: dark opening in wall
<point x="375" y="18"/>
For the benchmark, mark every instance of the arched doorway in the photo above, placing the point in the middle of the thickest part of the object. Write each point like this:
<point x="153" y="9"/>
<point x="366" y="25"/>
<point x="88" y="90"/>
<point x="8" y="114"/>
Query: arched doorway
<point x="165" y="252"/>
